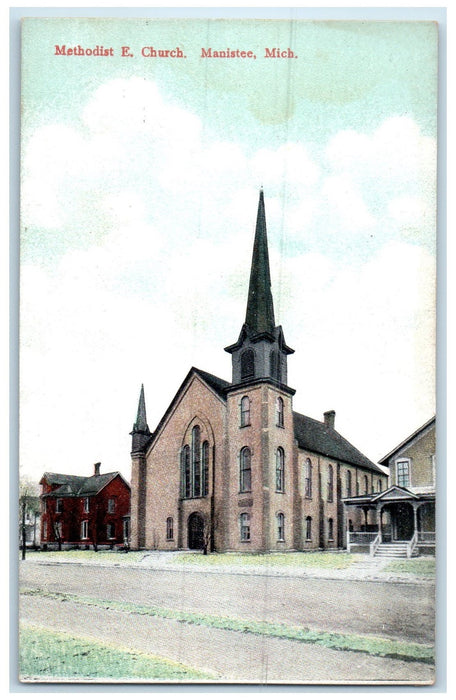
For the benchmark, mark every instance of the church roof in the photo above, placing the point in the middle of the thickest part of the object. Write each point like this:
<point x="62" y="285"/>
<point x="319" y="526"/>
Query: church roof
<point x="217" y="384"/>
<point x="315" y="436"/>
<point x="71" y="485"/>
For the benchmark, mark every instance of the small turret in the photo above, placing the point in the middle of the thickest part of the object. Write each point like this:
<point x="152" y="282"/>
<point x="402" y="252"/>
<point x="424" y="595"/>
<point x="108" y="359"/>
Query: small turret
<point x="140" y="433"/>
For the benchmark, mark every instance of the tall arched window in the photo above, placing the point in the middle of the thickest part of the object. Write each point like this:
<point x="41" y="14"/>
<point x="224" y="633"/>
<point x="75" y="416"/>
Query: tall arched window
<point x="169" y="529"/>
<point x="280" y="470"/>
<point x="279" y="412"/>
<point x="245" y="411"/>
<point x="330" y="483"/>
<point x="186" y="474"/>
<point x="274" y="365"/>
<point x="330" y="529"/>
<point x="205" y="468"/>
<point x="244" y="525"/>
<point x="366" y="484"/>
<point x="247" y="364"/>
<point x="196" y="460"/>
<point x="349" y="483"/>
<point x="280" y="527"/>
<point x="245" y="470"/>
<point x="308" y="528"/>
<point x="308" y="479"/>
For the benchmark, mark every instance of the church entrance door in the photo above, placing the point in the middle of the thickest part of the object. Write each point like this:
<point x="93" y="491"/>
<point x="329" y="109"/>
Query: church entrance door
<point x="196" y="531"/>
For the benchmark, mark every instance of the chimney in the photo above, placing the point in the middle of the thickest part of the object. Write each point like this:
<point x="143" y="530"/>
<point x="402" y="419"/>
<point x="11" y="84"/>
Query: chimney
<point x="96" y="468"/>
<point x="329" y="419"/>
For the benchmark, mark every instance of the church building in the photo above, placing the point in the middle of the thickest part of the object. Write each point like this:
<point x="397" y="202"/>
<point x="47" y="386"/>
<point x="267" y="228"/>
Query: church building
<point x="231" y="466"/>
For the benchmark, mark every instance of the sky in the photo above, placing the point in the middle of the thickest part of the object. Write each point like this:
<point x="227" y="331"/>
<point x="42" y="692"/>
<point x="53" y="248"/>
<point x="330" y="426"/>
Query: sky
<point x="139" y="190"/>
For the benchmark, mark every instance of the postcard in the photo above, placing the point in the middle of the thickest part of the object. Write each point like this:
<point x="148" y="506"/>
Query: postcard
<point x="227" y="351"/>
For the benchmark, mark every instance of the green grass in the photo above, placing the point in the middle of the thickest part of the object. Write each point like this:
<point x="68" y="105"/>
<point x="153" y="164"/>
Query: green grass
<point x="45" y="654"/>
<point x="107" y="555"/>
<point x="376" y="646"/>
<point x="302" y="560"/>
<point x="420" y="567"/>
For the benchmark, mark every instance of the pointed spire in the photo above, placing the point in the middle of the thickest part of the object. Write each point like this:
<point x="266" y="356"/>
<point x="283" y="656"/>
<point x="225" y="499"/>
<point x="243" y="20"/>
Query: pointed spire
<point x="260" y="308"/>
<point x="141" y="420"/>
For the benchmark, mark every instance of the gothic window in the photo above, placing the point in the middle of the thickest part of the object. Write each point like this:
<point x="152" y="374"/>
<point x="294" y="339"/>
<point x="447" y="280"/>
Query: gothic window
<point x="245" y="411"/>
<point x="349" y="483"/>
<point x="308" y="479"/>
<point x="196" y="460"/>
<point x="247" y="364"/>
<point x="330" y="483"/>
<point x="403" y="472"/>
<point x="244" y="523"/>
<point x="280" y="527"/>
<point x="330" y="529"/>
<point x="186" y="476"/>
<point x="279" y="412"/>
<point x="245" y="470"/>
<point x="274" y="364"/>
<point x="366" y="484"/>
<point x="280" y="470"/>
<point x="169" y="529"/>
<point x="205" y="468"/>
<point x="308" y="528"/>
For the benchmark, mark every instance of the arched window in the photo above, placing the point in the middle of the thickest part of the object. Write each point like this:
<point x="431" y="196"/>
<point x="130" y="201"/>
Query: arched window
<point x="308" y="479"/>
<point x="205" y="470"/>
<point x="330" y="483"/>
<point x="244" y="526"/>
<point x="169" y="528"/>
<point x="185" y="470"/>
<point x="274" y="365"/>
<point x="280" y="470"/>
<point x="245" y="411"/>
<point x="280" y="527"/>
<point x="366" y="484"/>
<point x="245" y="470"/>
<point x="196" y="460"/>
<point x="247" y="364"/>
<point x="279" y="412"/>
<point x="308" y="528"/>
<point x="330" y="529"/>
<point x="349" y="483"/>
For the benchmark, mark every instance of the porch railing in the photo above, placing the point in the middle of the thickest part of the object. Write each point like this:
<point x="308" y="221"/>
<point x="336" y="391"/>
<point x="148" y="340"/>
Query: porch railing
<point x="354" y="538"/>
<point x="374" y="545"/>
<point x="426" y="536"/>
<point x="412" y="545"/>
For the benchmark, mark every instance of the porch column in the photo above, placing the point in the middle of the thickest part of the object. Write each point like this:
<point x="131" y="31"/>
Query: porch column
<point x="415" y="517"/>
<point x="379" y="521"/>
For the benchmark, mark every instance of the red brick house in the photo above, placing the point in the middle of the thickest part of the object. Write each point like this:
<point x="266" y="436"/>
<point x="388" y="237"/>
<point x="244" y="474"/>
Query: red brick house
<point x="84" y="511"/>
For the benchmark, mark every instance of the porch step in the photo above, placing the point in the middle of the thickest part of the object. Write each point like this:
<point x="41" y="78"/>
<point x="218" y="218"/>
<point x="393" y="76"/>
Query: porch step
<point x="396" y="550"/>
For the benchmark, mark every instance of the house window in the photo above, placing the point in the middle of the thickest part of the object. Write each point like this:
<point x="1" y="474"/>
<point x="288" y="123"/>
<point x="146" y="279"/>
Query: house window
<point x="245" y="411"/>
<point x="349" y="483"/>
<point x="111" y="505"/>
<point x="45" y="530"/>
<point x="308" y="479"/>
<point x="86" y="505"/>
<point x="111" y="531"/>
<point x="205" y="464"/>
<point x="244" y="522"/>
<point x="280" y="527"/>
<point x="84" y="529"/>
<point x="403" y="472"/>
<point x="279" y="412"/>
<point x="330" y="529"/>
<point x="245" y="470"/>
<point x="379" y="486"/>
<point x="330" y="483"/>
<point x="274" y="363"/>
<point x="247" y="364"/>
<point x="196" y="460"/>
<point x="169" y="529"/>
<point x="308" y="528"/>
<point x="366" y="484"/>
<point x="126" y="529"/>
<point x="45" y="505"/>
<point x="58" y="530"/>
<point x="59" y="505"/>
<point x="280" y="470"/>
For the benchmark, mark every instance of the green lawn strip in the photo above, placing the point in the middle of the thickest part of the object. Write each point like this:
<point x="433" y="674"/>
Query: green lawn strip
<point x="421" y="567"/>
<point x="327" y="560"/>
<point x="44" y="653"/>
<point x="376" y="646"/>
<point x="76" y="555"/>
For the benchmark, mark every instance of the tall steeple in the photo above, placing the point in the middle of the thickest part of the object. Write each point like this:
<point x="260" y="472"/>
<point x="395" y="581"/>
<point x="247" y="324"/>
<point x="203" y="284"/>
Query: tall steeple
<point x="140" y="433"/>
<point x="259" y="317"/>
<point x="260" y="352"/>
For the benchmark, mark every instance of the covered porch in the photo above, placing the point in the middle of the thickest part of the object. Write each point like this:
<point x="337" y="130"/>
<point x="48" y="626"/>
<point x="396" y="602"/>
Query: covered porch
<point x="396" y="522"/>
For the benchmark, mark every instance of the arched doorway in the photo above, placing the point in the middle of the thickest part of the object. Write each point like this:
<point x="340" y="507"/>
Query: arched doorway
<point x="196" y="531"/>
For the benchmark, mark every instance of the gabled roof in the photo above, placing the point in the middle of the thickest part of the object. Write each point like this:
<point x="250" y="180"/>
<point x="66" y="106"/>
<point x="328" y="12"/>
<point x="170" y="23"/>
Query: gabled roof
<point x="315" y="436"/>
<point x="407" y="440"/>
<point x="71" y="485"/>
